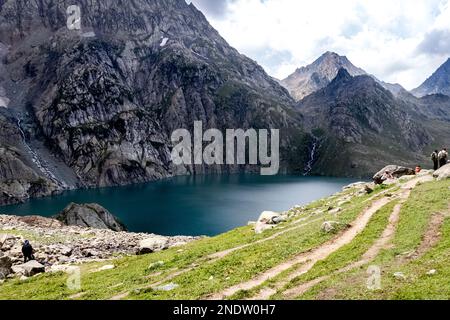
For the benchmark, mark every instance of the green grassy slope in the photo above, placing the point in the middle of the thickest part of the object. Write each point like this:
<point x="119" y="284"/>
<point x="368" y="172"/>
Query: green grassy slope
<point x="198" y="274"/>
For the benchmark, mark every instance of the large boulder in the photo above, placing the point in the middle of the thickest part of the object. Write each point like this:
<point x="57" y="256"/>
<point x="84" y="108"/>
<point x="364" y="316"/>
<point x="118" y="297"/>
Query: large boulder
<point x="5" y="266"/>
<point x="392" y="171"/>
<point x="443" y="172"/>
<point x="29" y="269"/>
<point x="333" y="227"/>
<point x="268" y="220"/>
<point x="89" y="216"/>
<point x="149" y="245"/>
<point x="330" y="226"/>
<point x="270" y="217"/>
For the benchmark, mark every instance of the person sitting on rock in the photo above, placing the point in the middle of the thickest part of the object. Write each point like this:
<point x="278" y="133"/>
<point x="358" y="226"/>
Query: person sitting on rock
<point x="418" y="169"/>
<point x="27" y="251"/>
<point x="443" y="157"/>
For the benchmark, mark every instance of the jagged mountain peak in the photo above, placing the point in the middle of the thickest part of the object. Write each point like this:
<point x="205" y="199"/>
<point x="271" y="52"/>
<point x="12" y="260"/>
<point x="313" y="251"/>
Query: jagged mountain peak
<point x="309" y="79"/>
<point x="358" y="116"/>
<point x="332" y="57"/>
<point x="438" y="83"/>
<point x="318" y="75"/>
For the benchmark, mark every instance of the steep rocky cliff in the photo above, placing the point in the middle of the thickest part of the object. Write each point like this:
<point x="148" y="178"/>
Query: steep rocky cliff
<point x="97" y="106"/>
<point x="20" y="179"/>
<point x="360" y="125"/>
<point x="437" y="83"/>
<point x="104" y="100"/>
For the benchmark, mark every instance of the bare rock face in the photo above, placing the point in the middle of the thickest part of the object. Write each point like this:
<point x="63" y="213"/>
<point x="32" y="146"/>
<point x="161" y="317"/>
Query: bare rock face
<point x="5" y="266"/>
<point x="318" y="75"/>
<point x="443" y="173"/>
<point x="357" y="124"/>
<point x="18" y="179"/>
<point x="392" y="171"/>
<point x="106" y="99"/>
<point x="438" y="83"/>
<point x="89" y="216"/>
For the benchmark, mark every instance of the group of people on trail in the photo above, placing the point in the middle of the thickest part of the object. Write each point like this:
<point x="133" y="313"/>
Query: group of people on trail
<point x="440" y="158"/>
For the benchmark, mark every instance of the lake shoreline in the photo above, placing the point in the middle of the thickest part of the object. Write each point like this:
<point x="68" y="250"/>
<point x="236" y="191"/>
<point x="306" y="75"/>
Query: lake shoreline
<point x="222" y="202"/>
<point x="58" y="247"/>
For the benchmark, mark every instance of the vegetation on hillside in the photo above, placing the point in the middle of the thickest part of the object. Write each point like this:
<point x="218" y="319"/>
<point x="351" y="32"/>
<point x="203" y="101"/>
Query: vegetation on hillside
<point x="210" y="266"/>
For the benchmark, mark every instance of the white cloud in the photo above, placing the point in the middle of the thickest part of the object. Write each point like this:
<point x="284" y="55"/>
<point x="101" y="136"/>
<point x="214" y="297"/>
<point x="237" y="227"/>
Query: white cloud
<point x="380" y="36"/>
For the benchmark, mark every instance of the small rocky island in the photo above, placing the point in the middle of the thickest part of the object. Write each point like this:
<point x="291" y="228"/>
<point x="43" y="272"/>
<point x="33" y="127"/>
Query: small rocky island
<point x="79" y="234"/>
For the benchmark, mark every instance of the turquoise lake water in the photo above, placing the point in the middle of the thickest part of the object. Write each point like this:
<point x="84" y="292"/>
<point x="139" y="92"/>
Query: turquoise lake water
<point x="203" y="205"/>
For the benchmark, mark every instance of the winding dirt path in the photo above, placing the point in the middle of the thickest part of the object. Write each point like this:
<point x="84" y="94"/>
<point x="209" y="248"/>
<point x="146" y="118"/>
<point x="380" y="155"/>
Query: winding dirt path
<point x="370" y="254"/>
<point x="222" y="254"/>
<point x="297" y="224"/>
<point x="310" y="258"/>
<point x="307" y="262"/>
<point x="381" y="243"/>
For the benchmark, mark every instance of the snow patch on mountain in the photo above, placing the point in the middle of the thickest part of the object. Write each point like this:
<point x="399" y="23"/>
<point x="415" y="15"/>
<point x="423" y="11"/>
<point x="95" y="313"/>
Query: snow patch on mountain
<point x="163" y="42"/>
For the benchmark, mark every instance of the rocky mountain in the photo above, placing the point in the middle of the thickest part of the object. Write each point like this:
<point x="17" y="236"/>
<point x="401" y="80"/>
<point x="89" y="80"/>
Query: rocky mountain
<point x="89" y="216"/>
<point x="321" y="72"/>
<point x="318" y="75"/>
<point x="435" y="106"/>
<point x="438" y="83"/>
<point x="19" y="178"/>
<point x="96" y="106"/>
<point x="358" y="124"/>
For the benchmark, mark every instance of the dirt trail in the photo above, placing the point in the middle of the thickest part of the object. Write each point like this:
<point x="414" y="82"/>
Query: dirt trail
<point x="326" y="250"/>
<point x="381" y="243"/>
<point x="311" y="257"/>
<point x="307" y="259"/>
<point x="224" y="253"/>
<point x="431" y="237"/>
<point x="297" y="224"/>
<point x="120" y="296"/>
<point x="370" y="254"/>
<point x="219" y="255"/>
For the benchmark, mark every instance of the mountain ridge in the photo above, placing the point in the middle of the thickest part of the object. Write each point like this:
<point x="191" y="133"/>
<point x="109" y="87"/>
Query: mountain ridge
<point x="106" y="98"/>
<point x="356" y="118"/>
<point x="308" y="79"/>
<point x="437" y="83"/>
<point x="317" y="75"/>
<point x="96" y="107"/>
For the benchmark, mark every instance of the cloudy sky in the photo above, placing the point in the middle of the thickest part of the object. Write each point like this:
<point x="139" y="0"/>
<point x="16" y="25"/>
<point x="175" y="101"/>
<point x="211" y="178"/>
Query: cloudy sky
<point x="401" y="41"/>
